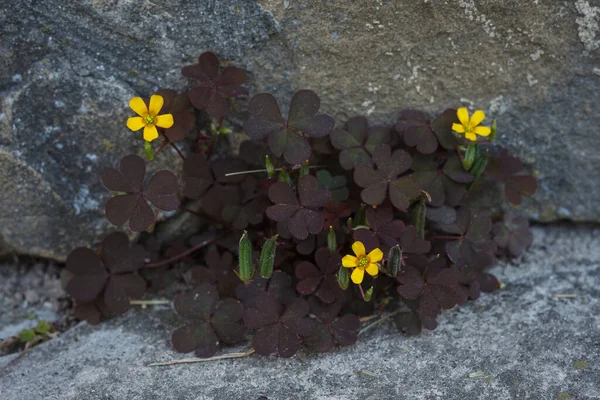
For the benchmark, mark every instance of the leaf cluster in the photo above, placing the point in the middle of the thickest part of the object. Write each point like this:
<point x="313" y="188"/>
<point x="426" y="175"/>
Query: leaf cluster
<point x="306" y="191"/>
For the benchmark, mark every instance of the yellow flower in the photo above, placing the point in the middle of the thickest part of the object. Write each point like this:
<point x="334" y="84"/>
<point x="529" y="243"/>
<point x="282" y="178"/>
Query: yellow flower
<point x="362" y="262"/>
<point x="148" y="117"/>
<point x="470" y="126"/>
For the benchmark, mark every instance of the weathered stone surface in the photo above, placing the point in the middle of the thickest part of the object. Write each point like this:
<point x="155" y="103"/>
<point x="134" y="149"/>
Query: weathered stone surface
<point x="68" y="69"/>
<point x="522" y="342"/>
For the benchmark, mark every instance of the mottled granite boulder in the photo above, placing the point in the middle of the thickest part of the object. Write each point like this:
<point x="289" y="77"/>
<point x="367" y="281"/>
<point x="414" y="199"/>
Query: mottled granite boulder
<point x="537" y="338"/>
<point x="68" y="69"/>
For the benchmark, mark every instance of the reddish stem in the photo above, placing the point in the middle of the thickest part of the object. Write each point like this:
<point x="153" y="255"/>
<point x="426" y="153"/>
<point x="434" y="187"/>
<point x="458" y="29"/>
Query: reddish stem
<point x="182" y="255"/>
<point x="162" y="146"/>
<point x="177" y="150"/>
<point x="361" y="291"/>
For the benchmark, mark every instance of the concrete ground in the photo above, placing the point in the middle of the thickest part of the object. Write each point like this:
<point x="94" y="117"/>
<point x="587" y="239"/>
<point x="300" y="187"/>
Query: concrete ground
<point x="526" y="341"/>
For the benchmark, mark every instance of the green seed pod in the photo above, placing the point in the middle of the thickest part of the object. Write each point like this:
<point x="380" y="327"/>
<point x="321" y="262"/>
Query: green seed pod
<point x="267" y="257"/>
<point x="304" y="169"/>
<point x="245" y="258"/>
<point x="478" y="169"/>
<point x="359" y="217"/>
<point x="284" y="177"/>
<point x="493" y="133"/>
<point x="331" y="240"/>
<point x="368" y="294"/>
<point x="418" y="218"/>
<point x="270" y="167"/>
<point x="394" y="261"/>
<point x="470" y="156"/>
<point x="343" y="277"/>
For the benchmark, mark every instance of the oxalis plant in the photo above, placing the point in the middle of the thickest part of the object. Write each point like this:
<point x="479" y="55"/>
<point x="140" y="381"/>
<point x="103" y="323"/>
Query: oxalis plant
<point x="312" y="228"/>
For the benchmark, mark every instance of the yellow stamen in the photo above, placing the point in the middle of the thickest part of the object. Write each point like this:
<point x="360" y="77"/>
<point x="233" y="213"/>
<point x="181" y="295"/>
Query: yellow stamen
<point x="363" y="262"/>
<point x="149" y="120"/>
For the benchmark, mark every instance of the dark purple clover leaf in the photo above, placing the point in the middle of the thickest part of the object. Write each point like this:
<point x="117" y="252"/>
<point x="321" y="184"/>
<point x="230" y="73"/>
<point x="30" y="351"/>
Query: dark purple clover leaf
<point x="435" y="289"/>
<point x="415" y="129"/>
<point x="279" y="286"/>
<point x="320" y="279"/>
<point x="111" y="276"/>
<point x="280" y="331"/>
<point x="301" y="212"/>
<point x="331" y="328"/>
<point x="411" y="243"/>
<point x="250" y="210"/>
<point x="161" y="191"/>
<point x="178" y="105"/>
<point x="430" y="172"/>
<point x="337" y="185"/>
<point x="412" y="322"/>
<point x="384" y="229"/>
<point x="474" y="237"/>
<point x="218" y="271"/>
<point x="504" y="168"/>
<point x="254" y="153"/>
<point x="214" y="87"/>
<point x="442" y="127"/>
<point x="288" y="138"/>
<point x="385" y="179"/>
<point x="473" y="277"/>
<point x="211" y="321"/>
<point x="356" y="141"/>
<point x="197" y="176"/>
<point x="513" y="233"/>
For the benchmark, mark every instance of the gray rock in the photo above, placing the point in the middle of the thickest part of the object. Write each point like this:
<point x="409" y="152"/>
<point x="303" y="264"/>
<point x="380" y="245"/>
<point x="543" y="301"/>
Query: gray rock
<point x="522" y="342"/>
<point x="68" y="69"/>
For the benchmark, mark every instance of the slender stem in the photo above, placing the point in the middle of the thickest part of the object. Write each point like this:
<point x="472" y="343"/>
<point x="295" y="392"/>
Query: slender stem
<point x="564" y="296"/>
<point x="447" y="237"/>
<point x="195" y="359"/>
<point x="254" y="171"/>
<point x="162" y="146"/>
<point x="361" y="291"/>
<point x="369" y="318"/>
<point x="379" y="321"/>
<point x="181" y="255"/>
<point x="177" y="150"/>
<point x="144" y="303"/>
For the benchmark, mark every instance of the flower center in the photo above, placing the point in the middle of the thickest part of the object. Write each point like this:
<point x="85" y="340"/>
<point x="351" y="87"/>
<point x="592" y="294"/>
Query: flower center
<point x="149" y="120"/>
<point x="363" y="262"/>
<point x="469" y="128"/>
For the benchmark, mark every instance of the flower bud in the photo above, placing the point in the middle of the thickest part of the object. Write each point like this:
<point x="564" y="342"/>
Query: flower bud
<point x="470" y="155"/>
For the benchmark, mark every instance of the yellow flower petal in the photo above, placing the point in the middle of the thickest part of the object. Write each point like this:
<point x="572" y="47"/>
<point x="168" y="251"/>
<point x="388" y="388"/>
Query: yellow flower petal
<point x="357" y="275"/>
<point x="375" y="256"/>
<point x="477" y="117"/>
<point x="471" y="136"/>
<point x="458" y="128"/>
<point x="164" y="121"/>
<point x="150" y="133"/>
<point x="463" y="115"/>
<point x="359" y="249"/>
<point x="135" y="123"/>
<point x="372" y="269"/>
<point x="138" y="105"/>
<point x="349" y="261"/>
<point x="156" y="103"/>
<point x="483" y="130"/>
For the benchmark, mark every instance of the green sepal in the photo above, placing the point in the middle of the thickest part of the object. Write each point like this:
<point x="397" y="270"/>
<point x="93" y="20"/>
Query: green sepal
<point x="270" y="167"/>
<point x="149" y="151"/>
<point x="394" y="261"/>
